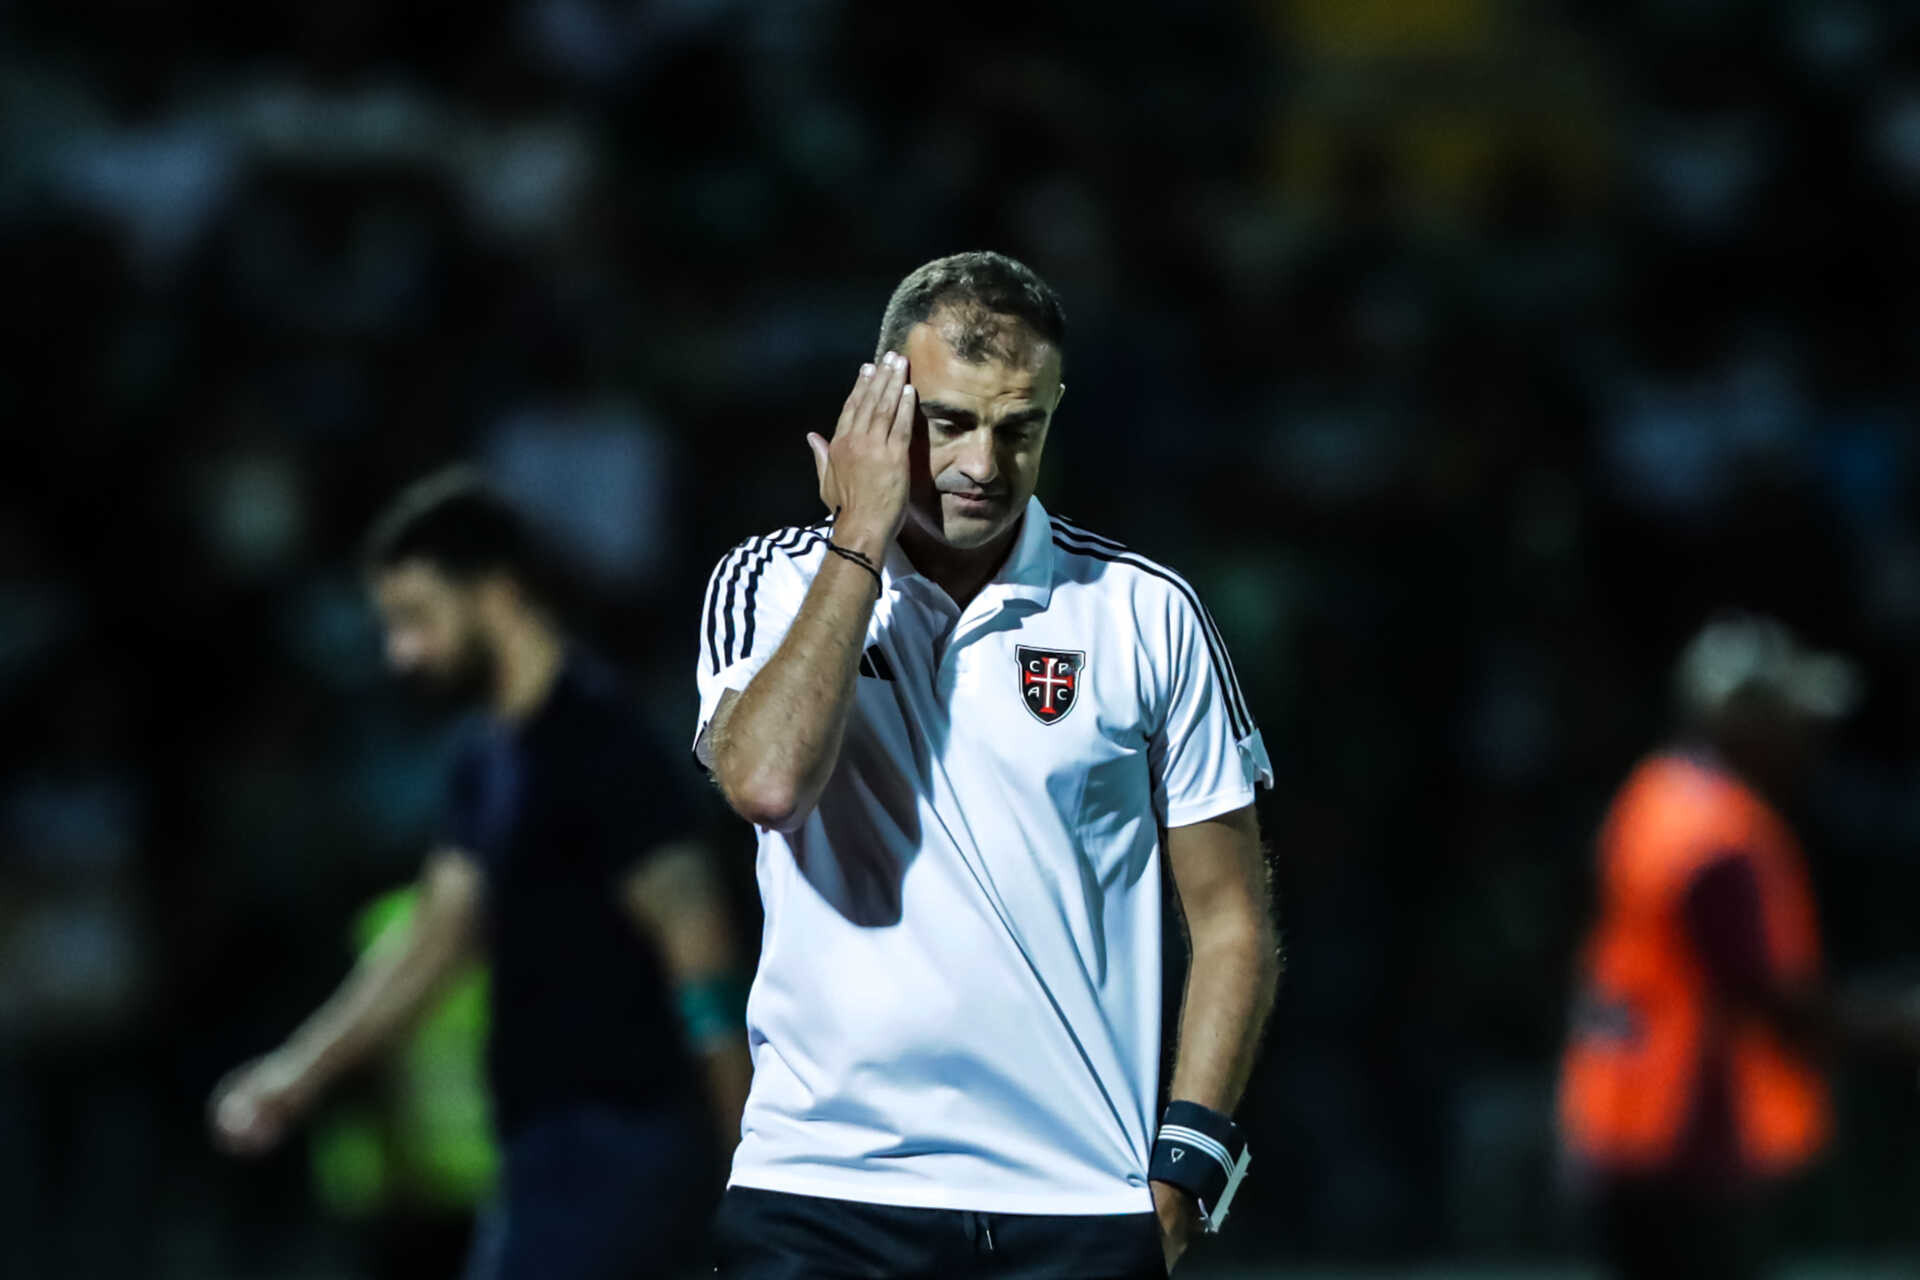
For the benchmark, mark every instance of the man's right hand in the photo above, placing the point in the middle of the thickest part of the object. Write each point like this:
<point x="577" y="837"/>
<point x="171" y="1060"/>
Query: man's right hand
<point x="863" y="469"/>
<point x="254" y="1106"/>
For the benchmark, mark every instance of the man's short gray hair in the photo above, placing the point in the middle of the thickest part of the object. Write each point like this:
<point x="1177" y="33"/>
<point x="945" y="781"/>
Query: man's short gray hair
<point x="990" y="308"/>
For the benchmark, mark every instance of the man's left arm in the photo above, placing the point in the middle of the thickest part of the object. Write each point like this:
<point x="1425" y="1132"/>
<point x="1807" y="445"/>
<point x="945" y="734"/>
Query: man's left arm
<point x="1207" y="760"/>
<point x="1220" y="877"/>
<point x="676" y="898"/>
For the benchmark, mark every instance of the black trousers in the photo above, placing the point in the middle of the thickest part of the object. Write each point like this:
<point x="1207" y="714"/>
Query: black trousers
<point x="769" y="1235"/>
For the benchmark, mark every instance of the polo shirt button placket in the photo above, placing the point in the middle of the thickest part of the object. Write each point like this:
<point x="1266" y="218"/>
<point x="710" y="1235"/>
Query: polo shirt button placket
<point x="963" y="674"/>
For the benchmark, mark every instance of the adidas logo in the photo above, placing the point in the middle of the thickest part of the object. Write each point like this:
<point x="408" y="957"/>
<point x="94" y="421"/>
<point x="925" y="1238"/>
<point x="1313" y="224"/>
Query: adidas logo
<point x="874" y="663"/>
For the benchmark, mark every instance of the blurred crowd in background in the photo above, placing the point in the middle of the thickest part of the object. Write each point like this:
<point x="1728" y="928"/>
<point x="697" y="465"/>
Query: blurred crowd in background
<point x="1466" y="354"/>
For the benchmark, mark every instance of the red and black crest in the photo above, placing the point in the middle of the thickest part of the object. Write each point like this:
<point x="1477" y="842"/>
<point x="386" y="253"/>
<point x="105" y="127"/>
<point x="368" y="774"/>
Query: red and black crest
<point x="1049" y="681"/>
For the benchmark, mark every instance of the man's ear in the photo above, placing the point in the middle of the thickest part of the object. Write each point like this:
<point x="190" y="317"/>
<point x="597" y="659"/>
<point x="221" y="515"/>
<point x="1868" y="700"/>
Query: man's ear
<point x="1062" y="396"/>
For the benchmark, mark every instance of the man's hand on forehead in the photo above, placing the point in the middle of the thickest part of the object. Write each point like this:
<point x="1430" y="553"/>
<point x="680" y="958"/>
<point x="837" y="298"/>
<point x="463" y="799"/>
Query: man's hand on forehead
<point x="863" y="470"/>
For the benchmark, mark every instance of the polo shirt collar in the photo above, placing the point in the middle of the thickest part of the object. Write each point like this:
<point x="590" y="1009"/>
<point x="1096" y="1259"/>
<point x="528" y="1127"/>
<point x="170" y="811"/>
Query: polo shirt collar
<point x="1027" y="573"/>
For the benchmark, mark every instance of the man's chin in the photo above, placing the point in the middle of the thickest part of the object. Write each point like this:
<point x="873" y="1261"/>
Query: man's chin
<point x="447" y="693"/>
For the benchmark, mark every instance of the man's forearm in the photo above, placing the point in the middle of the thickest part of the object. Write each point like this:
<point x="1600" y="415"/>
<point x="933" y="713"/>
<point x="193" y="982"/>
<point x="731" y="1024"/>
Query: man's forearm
<point x="1875" y="1021"/>
<point x="1231" y="980"/>
<point x="778" y="745"/>
<point x="1220" y="876"/>
<point x="727" y="1071"/>
<point x="379" y="999"/>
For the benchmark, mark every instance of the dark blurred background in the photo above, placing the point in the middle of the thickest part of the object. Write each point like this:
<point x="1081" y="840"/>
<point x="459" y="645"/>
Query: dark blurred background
<point x="1465" y="353"/>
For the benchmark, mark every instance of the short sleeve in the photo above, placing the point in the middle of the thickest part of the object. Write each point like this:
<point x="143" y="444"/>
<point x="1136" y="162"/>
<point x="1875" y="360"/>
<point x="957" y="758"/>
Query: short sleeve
<point x="1206" y="754"/>
<point x="752" y="598"/>
<point x="641" y="805"/>
<point x="459" y="826"/>
<point x="478" y="787"/>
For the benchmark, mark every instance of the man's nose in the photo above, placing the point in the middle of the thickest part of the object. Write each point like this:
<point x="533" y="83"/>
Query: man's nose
<point x="403" y="652"/>
<point x="977" y="460"/>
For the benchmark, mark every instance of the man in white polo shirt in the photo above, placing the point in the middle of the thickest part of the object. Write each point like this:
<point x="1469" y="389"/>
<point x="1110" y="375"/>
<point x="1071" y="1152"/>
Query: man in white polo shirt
<point x="968" y="732"/>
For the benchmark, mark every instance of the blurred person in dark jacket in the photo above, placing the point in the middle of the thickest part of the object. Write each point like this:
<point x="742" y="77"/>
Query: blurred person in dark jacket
<point x="566" y="855"/>
<point x="1693" y="1083"/>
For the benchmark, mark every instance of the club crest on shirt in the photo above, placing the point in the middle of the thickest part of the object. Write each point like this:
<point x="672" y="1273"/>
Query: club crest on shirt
<point x="1049" y="681"/>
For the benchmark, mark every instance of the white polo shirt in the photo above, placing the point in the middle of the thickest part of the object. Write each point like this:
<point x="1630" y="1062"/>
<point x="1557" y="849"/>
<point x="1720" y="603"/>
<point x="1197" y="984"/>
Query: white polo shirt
<point x="958" y="1000"/>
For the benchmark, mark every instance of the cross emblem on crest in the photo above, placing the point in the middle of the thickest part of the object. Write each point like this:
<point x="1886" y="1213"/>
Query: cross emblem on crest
<point x="1049" y="681"/>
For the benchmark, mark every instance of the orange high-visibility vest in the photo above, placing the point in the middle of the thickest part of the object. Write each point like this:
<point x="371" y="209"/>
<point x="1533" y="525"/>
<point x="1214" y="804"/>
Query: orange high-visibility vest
<point x="1647" y="1027"/>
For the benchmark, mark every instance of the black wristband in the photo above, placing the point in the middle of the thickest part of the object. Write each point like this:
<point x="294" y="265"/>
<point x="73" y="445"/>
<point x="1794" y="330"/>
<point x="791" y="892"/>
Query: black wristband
<point x="1204" y="1154"/>
<point x="848" y="553"/>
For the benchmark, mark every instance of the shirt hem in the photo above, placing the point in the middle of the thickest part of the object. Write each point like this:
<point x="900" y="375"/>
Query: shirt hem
<point x="872" y="1190"/>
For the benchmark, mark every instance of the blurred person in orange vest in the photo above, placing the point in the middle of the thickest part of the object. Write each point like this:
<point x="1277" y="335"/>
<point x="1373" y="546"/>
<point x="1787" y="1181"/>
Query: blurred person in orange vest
<point x="1692" y="1083"/>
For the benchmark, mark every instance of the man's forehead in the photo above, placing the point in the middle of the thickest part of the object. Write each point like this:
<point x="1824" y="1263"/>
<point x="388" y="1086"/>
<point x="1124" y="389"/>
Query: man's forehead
<point x="411" y="577"/>
<point x="939" y="371"/>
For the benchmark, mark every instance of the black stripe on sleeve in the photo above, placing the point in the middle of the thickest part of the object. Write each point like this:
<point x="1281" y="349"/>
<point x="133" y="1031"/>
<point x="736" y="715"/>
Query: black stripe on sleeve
<point x="1226" y="655"/>
<point x="1237" y="713"/>
<point x="706" y="615"/>
<point x="756" y="562"/>
<point x="730" y="611"/>
<point x="727" y="613"/>
<point x="1222" y="654"/>
<point x="787" y="542"/>
<point x="712" y="610"/>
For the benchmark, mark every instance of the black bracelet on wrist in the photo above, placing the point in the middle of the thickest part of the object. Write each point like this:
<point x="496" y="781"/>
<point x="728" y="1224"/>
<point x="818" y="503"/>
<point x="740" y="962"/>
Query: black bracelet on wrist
<point x="848" y="553"/>
<point x="1203" y="1153"/>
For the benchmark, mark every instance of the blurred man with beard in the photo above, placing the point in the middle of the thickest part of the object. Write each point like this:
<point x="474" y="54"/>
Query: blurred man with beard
<point x="565" y="858"/>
